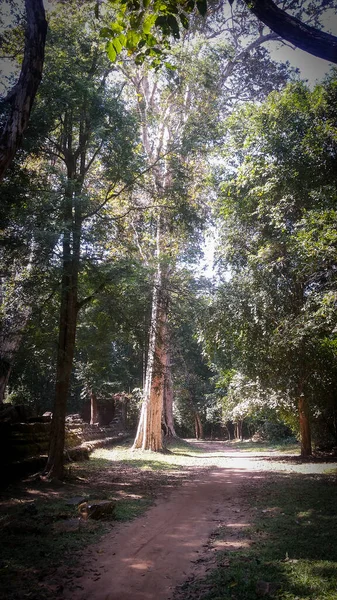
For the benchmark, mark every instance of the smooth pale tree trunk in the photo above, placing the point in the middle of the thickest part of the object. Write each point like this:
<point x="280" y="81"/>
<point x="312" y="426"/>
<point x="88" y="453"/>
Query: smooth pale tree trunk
<point x="157" y="410"/>
<point x="93" y="408"/>
<point x="20" y="99"/>
<point x="149" y="432"/>
<point x="199" y="430"/>
<point x="305" y="430"/>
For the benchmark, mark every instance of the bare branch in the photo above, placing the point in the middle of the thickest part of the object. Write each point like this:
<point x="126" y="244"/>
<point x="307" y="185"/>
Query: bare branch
<point x="310" y="39"/>
<point x="21" y="97"/>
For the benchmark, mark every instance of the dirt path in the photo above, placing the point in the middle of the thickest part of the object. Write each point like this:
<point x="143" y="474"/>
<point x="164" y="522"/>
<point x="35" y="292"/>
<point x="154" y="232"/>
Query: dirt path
<point x="147" y="558"/>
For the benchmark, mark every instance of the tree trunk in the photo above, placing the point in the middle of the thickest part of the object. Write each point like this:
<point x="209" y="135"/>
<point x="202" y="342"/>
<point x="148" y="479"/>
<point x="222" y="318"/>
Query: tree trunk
<point x="65" y="355"/>
<point x="93" y="408"/>
<point x="305" y="432"/>
<point x="238" y="430"/>
<point x="168" y="420"/>
<point x="149" y="435"/>
<point x="228" y="432"/>
<point x="21" y="97"/>
<point x="67" y="327"/>
<point x="199" y="431"/>
<point x="5" y="370"/>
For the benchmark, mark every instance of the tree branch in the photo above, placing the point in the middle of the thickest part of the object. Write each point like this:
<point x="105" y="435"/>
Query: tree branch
<point x="110" y="194"/>
<point x="21" y="97"/>
<point x="310" y="39"/>
<point x="88" y="299"/>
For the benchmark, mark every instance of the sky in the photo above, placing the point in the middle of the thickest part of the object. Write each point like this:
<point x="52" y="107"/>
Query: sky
<point x="311" y="68"/>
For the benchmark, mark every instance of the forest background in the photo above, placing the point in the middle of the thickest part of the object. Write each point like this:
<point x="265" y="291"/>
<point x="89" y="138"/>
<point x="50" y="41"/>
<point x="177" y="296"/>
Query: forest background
<point x="134" y="152"/>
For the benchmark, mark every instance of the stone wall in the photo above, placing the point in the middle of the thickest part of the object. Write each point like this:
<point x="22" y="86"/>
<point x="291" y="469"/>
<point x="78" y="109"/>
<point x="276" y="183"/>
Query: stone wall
<point x="19" y="441"/>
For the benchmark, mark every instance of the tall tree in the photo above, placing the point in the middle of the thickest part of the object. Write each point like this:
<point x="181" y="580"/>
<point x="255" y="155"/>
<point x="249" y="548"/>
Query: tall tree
<point x="26" y="253"/>
<point x="87" y="134"/>
<point x="280" y="191"/>
<point x="176" y="140"/>
<point x="164" y="105"/>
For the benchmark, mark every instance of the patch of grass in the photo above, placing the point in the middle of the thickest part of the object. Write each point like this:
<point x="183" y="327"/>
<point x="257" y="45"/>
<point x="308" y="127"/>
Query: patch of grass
<point x="292" y="554"/>
<point x="131" y="508"/>
<point x="179" y="446"/>
<point x="330" y="471"/>
<point x="32" y="549"/>
<point x="179" y="454"/>
<point x="31" y="546"/>
<point x="282" y="446"/>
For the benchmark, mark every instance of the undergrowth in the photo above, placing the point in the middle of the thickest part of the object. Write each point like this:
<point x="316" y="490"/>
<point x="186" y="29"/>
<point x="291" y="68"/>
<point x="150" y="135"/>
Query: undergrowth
<point x="35" y="516"/>
<point x="34" y="549"/>
<point x="291" y="552"/>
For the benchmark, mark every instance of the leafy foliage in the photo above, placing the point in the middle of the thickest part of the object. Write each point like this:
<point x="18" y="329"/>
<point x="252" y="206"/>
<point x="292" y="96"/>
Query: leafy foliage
<point x="144" y="28"/>
<point x="275" y="316"/>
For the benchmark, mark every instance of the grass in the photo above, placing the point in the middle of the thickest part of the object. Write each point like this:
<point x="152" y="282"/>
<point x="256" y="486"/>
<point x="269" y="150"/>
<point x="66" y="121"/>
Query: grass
<point x="32" y="549"/>
<point x="291" y="552"/>
<point x="179" y="453"/>
<point x="293" y="536"/>
<point x="132" y="508"/>
<point x="283" y="446"/>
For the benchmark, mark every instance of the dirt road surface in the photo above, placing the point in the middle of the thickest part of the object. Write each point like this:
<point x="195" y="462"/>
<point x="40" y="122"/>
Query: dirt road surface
<point x="147" y="558"/>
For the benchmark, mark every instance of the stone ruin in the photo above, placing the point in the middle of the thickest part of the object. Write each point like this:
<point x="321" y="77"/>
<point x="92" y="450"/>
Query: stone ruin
<point x="24" y="438"/>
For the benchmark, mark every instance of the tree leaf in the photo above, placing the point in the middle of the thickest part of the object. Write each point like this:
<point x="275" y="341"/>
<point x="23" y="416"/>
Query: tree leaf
<point x="117" y="27"/>
<point x="112" y="54"/>
<point x="170" y="66"/>
<point x="106" y="32"/>
<point x="148" y="23"/>
<point x="132" y="39"/>
<point x="202" y="7"/>
<point x="151" y="40"/>
<point x="173" y="25"/>
<point x="184" y="21"/>
<point x="122" y="39"/>
<point x="117" y="45"/>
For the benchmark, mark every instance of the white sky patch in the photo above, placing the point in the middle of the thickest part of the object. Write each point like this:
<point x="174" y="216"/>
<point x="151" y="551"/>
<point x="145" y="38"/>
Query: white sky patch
<point x="206" y="265"/>
<point x="311" y="68"/>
